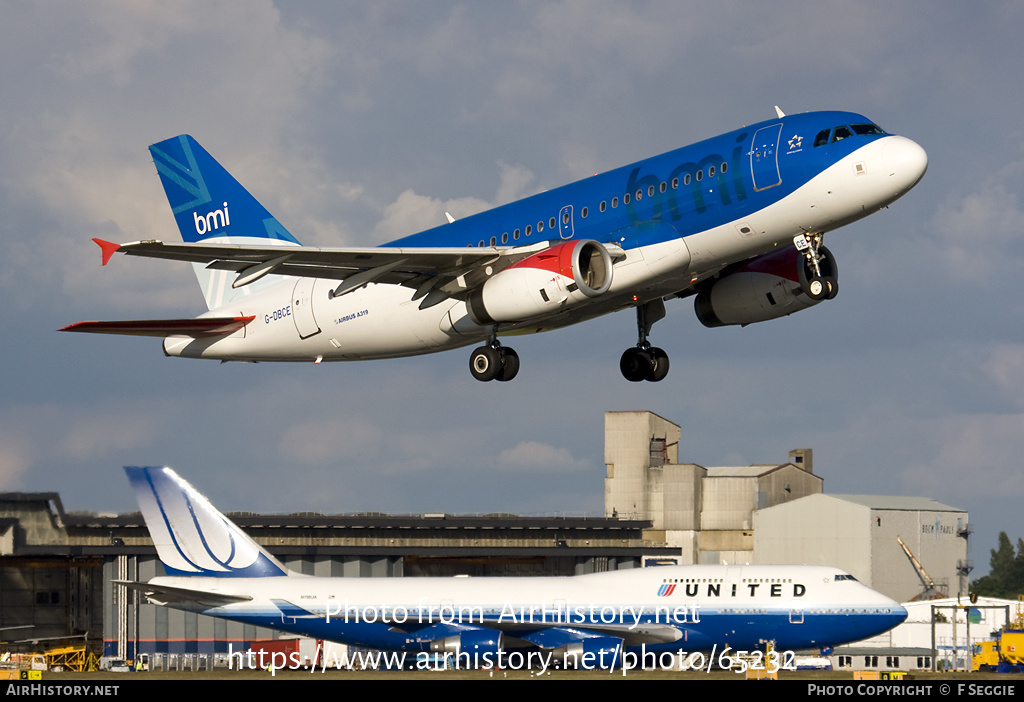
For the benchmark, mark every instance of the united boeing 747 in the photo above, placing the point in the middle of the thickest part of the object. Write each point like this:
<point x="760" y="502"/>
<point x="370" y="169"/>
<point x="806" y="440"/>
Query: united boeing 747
<point x="212" y="567"/>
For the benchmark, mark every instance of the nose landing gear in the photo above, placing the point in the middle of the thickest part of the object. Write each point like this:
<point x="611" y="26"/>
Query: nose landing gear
<point x="822" y="282"/>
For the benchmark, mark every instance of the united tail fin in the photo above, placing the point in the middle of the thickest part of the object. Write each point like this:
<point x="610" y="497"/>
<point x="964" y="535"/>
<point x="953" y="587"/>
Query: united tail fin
<point x="209" y="205"/>
<point x="191" y="536"/>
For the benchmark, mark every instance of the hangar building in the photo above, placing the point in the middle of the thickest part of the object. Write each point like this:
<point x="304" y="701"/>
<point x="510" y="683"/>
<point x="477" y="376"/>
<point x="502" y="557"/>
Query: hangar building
<point x="863" y="533"/>
<point x="57" y="568"/>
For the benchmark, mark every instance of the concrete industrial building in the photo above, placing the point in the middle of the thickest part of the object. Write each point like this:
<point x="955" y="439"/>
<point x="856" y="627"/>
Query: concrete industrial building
<point x="705" y="512"/>
<point x="777" y="513"/>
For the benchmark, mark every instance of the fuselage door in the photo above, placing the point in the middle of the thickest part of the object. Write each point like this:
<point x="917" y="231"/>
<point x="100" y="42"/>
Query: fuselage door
<point x="302" y="308"/>
<point x="565" y="222"/>
<point x="764" y="157"/>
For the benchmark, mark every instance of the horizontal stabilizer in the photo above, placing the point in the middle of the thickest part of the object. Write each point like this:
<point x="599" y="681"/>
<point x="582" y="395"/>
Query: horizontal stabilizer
<point x="165" y="594"/>
<point x="203" y="326"/>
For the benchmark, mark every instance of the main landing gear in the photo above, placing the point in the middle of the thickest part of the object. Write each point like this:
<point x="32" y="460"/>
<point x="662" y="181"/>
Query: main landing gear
<point x="643" y="361"/>
<point x="821" y="282"/>
<point x="494" y="362"/>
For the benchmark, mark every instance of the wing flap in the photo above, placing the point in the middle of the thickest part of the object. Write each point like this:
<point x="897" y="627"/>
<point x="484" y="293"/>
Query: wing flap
<point x="202" y="326"/>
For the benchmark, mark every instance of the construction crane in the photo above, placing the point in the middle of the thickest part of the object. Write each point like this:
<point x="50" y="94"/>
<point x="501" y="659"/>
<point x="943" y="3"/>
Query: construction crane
<point x="932" y="591"/>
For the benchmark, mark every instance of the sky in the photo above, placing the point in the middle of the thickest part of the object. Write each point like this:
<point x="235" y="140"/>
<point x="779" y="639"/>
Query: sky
<point x="357" y="123"/>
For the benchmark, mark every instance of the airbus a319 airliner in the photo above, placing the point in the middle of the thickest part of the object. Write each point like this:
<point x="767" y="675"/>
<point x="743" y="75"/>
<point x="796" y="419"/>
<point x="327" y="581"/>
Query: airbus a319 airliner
<point x="735" y="221"/>
<point x="212" y="567"/>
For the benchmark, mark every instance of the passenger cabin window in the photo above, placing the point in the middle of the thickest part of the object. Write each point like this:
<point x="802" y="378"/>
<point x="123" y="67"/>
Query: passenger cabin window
<point x="615" y="202"/>
<point x="604" y="205"/>
<point x="822" y="137"/>
<point x="504" y="238"/>
<point x="583" y="213"/>
<point x="529" y="229"/>
<point x="842" y="132"/>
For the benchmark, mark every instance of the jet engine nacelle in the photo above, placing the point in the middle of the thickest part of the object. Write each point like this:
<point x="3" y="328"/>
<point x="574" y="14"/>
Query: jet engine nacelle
<point x="475" y="643"/>
<point x="544" y="283"/>
<point x="598" y="652"/>
<point x="767" y="287"/>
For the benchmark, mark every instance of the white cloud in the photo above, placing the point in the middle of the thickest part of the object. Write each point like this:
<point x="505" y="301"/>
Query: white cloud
<point x="533" y="454"/>
<point x="412" y="213"/>
<point x="15" y="460"/>
<point x="979" y="230"/>
<point x="168" y="69"/>
<point x="981" y="455"/>
<point x="1005" y="366"/>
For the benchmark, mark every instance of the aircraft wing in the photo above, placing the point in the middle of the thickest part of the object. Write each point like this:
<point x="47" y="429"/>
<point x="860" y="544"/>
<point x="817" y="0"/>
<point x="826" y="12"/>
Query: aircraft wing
<point x="446" y="269"/>
<point x="165" y="594"/>
<point x="555" y="635"/>
<point x="203" y="326"/>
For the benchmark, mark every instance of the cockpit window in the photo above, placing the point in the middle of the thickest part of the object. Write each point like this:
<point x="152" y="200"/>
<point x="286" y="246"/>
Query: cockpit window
<point x="822" y="137"/>
<point x="842" y="132"/>
<point x="865" y="129"/>
<point x="844" y="576"/>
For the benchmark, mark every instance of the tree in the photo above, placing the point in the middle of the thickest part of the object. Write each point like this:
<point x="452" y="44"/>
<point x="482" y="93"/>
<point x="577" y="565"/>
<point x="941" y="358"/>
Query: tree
<point x="1006" y="575"/>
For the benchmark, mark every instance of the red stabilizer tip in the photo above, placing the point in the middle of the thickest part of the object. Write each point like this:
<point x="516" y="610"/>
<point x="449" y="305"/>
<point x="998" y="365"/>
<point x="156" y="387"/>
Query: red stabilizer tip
<point x="108" y="247"/>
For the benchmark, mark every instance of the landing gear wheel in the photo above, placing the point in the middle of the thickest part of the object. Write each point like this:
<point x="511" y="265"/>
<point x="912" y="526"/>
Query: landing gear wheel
<point x="635" y="364"/>
<point x="509" y="365"/>
<point x="659" y="365"/>
<point x="485" y="363"/>
<point x="817" y="288"/>
<point x="833" y="286"/>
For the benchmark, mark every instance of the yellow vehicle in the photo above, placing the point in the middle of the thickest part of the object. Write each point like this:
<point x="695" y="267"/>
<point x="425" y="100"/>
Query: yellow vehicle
<point x="1003" y="655"/>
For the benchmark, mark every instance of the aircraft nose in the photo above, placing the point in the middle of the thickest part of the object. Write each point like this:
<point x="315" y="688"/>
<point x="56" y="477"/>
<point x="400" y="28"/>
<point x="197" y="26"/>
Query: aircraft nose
<point x="899" y="613"/>
<point x="905" y="162"/>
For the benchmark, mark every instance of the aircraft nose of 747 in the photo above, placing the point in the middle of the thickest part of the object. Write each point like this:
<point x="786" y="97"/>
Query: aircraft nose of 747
<point x="905" y="161"/>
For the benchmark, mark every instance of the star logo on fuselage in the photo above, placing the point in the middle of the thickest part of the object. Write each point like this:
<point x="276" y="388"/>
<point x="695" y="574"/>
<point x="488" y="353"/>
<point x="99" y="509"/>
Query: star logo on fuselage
<point x="794" y="143"/>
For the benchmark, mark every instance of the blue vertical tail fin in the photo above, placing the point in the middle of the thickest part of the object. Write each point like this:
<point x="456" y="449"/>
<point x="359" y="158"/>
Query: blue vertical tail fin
<point x="190" y="535"/>
<point x="209" y="205"/>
